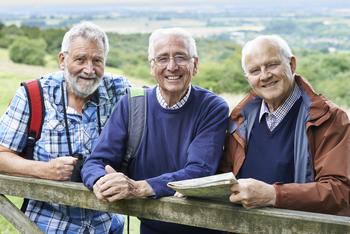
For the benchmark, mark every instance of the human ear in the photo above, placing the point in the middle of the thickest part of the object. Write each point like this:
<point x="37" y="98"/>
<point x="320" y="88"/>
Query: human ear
<point x="293" y="64"/>
<point x="61" y="58"/>
<point x="195" y="66"/>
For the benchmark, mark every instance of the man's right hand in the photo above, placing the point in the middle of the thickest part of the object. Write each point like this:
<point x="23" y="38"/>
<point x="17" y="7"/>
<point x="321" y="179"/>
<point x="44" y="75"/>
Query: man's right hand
<point x="116" y="186"/>
<point x="60" y="168"/>
<point x="253" y="193"/>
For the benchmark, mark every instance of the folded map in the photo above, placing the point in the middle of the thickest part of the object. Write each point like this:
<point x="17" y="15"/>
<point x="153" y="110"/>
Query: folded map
<point x="212" y="187"/>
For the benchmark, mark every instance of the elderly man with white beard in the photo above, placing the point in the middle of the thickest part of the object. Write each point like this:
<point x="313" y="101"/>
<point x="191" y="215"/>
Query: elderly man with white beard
<point x="77" y="100"/>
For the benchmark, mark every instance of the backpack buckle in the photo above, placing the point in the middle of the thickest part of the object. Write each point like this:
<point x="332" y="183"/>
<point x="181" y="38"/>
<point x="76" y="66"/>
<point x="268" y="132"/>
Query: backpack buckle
<point x="31" y="140"/>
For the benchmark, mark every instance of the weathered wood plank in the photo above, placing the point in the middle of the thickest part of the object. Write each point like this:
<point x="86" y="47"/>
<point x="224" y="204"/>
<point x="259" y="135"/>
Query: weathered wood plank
<point x="16" y="217"/>
<point x="215" y="215"/>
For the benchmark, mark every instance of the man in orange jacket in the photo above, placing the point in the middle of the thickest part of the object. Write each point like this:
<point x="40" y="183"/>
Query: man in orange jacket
<point x="289" y="147"/>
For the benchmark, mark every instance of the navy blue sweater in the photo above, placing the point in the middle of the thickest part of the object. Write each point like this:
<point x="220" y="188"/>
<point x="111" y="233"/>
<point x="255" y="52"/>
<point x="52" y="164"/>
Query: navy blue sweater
<point x="178" y="144"/>
<point x="270" y="156"/>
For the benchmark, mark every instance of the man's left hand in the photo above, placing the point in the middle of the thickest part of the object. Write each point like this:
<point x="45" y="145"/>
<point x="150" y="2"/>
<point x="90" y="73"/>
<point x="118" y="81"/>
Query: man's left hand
<point x="253" y="193"/>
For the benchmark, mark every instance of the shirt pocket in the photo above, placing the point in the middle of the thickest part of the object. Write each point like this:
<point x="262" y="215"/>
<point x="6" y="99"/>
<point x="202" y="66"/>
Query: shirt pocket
<point x="88" y="136"/>
<point x="55" y="138"/>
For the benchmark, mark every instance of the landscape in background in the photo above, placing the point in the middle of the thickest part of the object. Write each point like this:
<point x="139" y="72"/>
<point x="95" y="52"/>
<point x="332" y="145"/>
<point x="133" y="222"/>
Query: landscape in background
<point x="318" y="32"/>
<point x="322" y="24"/>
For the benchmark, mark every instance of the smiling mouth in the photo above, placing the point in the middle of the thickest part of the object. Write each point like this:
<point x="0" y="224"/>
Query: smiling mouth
<point x="269" y="84"/>
<point x="173" y="77"/>
<point x="86" y="78"/>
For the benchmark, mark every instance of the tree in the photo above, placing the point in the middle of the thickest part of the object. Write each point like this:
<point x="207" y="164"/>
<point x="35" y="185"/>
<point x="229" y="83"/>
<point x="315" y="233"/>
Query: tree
<point x="28" y="51"/>
<point x="223" y="76"/>
<point x="53" y="38"/>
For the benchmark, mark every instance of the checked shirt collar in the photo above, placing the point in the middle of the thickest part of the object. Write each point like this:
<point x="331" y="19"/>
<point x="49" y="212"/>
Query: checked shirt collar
<point x="177" y="105"/>
<point x="276" y="117"/>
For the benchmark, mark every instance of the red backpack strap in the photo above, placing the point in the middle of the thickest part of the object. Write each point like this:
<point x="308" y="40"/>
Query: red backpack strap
<point x="35" y="122"/>
<point x="36" y="114"/>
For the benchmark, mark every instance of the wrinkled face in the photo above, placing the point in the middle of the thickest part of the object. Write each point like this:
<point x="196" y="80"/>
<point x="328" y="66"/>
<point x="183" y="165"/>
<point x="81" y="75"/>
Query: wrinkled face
<point x="83" y="66"/>
<point x="269" y="75"/>
<point x="173" y="67"/>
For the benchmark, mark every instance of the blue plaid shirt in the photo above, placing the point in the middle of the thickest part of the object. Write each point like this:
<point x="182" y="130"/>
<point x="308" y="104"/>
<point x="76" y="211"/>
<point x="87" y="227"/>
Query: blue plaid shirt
<point x="50" y="217"/>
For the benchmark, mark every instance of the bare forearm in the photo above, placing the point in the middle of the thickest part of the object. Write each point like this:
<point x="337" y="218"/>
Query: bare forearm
<point x="57" y="169"/>
<point x="12" y="164"/>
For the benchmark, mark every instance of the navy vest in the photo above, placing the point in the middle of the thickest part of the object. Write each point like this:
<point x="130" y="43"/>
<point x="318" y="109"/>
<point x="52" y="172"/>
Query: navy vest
<point x="270" y="154"/>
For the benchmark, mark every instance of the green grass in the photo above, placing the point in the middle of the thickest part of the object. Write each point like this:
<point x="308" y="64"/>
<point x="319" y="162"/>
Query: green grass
<point x="6" y="227"/>
<point x="134" y="225"/>
<point x="8" y="83"/>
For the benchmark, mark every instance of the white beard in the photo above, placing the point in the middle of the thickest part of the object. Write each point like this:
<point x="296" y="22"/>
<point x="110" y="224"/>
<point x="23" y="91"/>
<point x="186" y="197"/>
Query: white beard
<point x="82" y="91"/>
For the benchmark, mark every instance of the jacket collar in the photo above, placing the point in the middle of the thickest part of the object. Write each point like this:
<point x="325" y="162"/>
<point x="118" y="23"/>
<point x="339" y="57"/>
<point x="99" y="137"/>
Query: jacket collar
<point x="317" y="105"/>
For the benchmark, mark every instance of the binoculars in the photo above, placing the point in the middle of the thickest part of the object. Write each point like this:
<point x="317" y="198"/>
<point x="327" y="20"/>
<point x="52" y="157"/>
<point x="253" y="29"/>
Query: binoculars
<point x="76" y="177"/>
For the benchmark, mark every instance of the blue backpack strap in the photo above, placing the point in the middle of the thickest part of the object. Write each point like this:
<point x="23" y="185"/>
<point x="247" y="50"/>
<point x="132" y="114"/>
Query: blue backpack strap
<point x="137" y="101"/>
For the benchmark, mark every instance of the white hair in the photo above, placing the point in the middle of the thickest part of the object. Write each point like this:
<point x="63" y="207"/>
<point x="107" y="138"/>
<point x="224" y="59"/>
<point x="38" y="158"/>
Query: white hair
<point x="169" y="32"/>
<point x="279" y="42"/>
<point x="88" y="31"/>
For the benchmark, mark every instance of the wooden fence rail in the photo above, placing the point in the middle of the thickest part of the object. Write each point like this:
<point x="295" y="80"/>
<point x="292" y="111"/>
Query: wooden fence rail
<point x="200" y="213"/>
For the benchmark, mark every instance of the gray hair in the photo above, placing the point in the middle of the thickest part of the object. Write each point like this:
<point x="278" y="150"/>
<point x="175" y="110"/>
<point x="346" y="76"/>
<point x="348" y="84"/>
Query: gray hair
<point x="279" y="42"/>
<point x="87" y="31"/>
<point x="168" y="32"/>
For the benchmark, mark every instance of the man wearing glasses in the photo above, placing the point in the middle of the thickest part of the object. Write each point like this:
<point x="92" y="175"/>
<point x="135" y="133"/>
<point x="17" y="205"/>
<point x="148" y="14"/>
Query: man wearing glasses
<point x="183" y="138"/>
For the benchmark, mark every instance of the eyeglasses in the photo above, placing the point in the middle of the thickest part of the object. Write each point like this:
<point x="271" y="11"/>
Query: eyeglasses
<point x="180" y="60"/>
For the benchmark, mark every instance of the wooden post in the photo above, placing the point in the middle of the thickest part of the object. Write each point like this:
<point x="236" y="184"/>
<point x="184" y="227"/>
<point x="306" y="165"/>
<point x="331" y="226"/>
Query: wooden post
<point x="16" y="217"/>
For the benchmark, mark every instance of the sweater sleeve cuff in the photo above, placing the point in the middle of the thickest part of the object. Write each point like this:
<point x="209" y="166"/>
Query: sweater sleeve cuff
<point x="160" y="188"/>
<point x="91" y="180"/>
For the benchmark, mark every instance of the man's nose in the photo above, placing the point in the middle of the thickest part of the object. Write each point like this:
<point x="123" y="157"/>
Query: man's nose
<point x="265" y="74"/>
<point x="172" y="65"/>
<point x="89" y="67"/>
